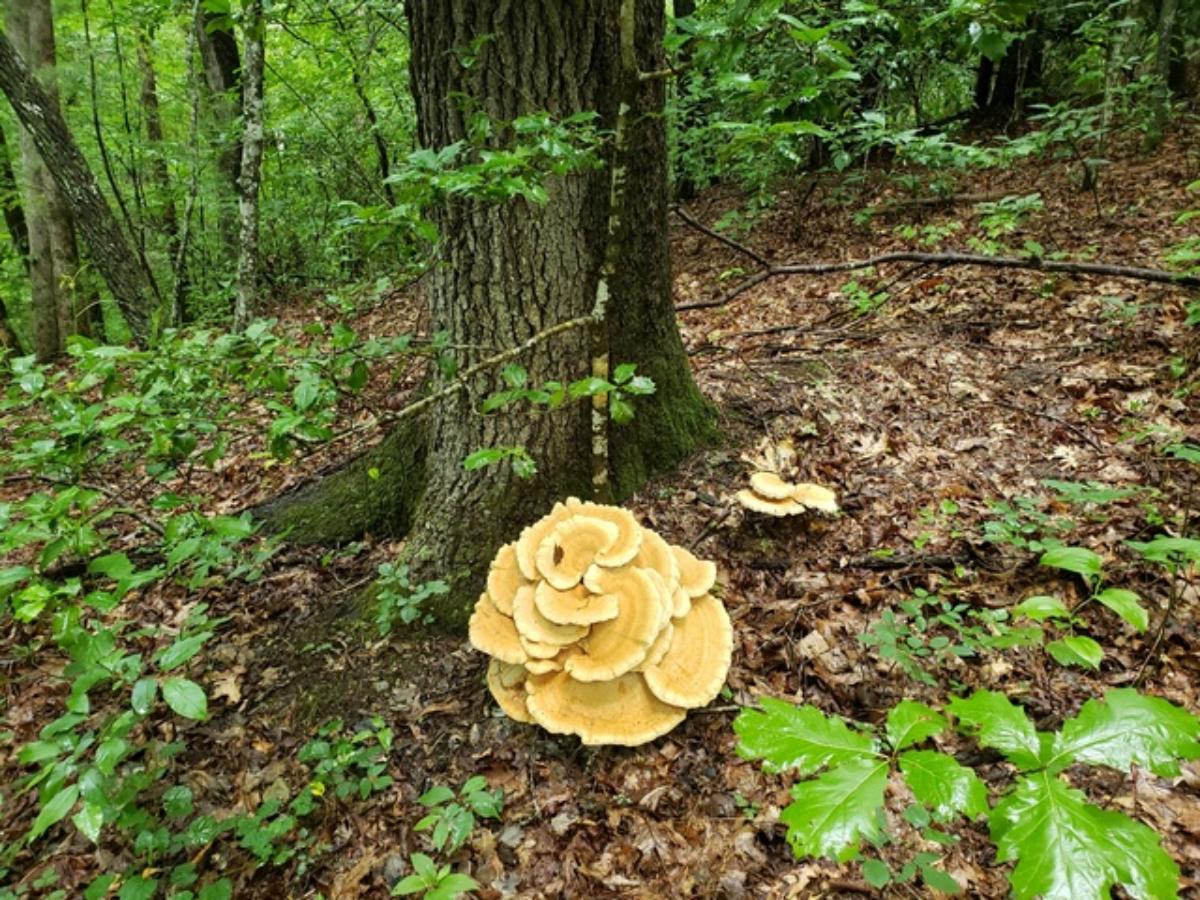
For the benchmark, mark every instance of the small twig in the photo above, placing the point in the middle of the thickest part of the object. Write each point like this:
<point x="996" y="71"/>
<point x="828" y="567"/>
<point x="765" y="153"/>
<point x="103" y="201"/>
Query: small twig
<point x="717" y="236"/>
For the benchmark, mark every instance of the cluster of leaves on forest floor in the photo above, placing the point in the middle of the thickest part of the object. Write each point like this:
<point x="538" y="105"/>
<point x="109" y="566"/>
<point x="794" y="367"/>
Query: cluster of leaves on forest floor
<point x="957" y="414"/>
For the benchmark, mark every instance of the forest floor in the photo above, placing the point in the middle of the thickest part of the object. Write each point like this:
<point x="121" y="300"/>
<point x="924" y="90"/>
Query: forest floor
<point x="963" y="389"/>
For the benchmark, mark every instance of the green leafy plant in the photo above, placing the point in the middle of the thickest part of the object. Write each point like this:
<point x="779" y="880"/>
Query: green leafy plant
<point x="351" y="763"/>
<point x="1064" y="848"/>
<point x="398" y="599"/>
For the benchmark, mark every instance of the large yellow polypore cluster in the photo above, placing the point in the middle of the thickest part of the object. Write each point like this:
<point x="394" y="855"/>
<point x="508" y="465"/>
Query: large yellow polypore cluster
<point x="598" y="627"/>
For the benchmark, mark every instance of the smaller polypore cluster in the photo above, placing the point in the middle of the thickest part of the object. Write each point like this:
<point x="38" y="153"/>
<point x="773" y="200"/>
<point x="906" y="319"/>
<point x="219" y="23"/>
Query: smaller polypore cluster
<point x="773" y="496"/>
<point x="598" y="627"/>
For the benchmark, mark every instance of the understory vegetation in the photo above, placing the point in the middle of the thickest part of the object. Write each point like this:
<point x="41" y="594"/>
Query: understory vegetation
<point x="945" y="250"/>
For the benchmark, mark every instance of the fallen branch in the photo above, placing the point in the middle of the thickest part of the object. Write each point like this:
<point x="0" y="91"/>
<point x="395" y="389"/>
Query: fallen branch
<point x="773" y="269"/>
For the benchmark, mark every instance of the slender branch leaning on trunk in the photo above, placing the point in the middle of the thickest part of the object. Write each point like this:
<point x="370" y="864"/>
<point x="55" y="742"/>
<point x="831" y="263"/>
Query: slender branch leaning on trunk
<point x="773" y="269"/>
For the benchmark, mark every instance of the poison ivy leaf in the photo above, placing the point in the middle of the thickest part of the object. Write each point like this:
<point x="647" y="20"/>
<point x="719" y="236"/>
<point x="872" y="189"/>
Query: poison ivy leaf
<point x="835" y="811"/>
<point x="1126" y="728"/>
<point x="1076" y="650"/>
<point x="910" y="723"/>
<point x="185" y="697"/>
<point x="1001" y="724"/>
<point x="1079" y="560"/>
<point x="1067" y="849"/>
<point x="941" y="783"/>
<point x="804" y="738"/>
<point x="1127" y="605"/>
<point x="1042" y="607"/>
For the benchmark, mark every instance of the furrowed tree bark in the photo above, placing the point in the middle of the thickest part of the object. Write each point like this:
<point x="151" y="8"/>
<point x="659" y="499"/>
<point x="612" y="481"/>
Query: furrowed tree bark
<point x="254" y="38"/>
<point x="510" y="271"/>
<point x="222" y="68"/>
<point x="107" y="246"/>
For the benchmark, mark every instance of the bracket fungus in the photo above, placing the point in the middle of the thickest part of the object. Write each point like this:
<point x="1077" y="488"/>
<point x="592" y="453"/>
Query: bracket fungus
<point x="772" y="495"/>
<point x="598" y="627"/>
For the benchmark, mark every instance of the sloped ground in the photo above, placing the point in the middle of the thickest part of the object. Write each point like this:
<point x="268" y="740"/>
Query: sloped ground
<point x="965" y="388"/>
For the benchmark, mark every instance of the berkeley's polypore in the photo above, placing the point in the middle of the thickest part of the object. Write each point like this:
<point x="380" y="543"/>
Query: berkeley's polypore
<point x="600" y="628"/>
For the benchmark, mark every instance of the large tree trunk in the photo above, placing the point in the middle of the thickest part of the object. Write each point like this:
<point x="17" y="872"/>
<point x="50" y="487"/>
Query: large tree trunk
<point x="509" y="271"/>
<point x="107" y="247"/>
<point x="251" y="166"/>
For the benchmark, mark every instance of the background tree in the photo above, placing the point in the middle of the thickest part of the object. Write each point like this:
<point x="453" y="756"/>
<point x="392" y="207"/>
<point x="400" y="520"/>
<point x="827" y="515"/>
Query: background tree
<point x="250" y="170"/>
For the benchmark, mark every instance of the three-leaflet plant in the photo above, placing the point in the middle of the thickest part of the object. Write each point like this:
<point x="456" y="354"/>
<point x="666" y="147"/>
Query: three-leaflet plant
<point x="1064" y="847"/>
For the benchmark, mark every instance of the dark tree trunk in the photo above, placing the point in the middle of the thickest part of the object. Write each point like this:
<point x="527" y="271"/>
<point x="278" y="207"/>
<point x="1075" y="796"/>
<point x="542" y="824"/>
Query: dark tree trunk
<point x="223" y="78"/>
<point x="983" y="83"/>
<point x="508" y="271"/>
<point x="685" y="188"/>
<point x="10" y="200"/>
<point x="109" y="250"/>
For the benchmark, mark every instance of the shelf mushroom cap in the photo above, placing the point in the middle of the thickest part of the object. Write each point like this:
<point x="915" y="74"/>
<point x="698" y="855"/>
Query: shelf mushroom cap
<point x="494" y="633"/>
<point x="620" y="711"/>
<point x="755" y="503"/>
<point x="536" y="627"/>
<point x="531" y="538"/>
<point x="578" y="606"/>
<point x="695" y="666"/>
<point x="553" y="664"/>
<point x="567" y="552"/>
<point x="630" y="535"/>
<point x="656" y="554"/>
<point x="658" y="649"/>
<point x="771" y="486"/>
<point x="615" y="647"/>
<point x="507" y="685"/>
<point x="697" y="577"/>
<point x="814" y="496"/>
<point x="504" y="578"/>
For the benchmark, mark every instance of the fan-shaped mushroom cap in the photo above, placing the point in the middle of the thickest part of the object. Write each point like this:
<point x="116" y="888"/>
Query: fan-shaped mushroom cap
<point x="621" y="711"/>
<point x="614" y="647"/>
<point x="504" y="577"/>
<point x="494" y="633"/>
<point x="681" y="603"/>
<point x="658" y="649"/>
<point x="531" y="538"/>
<point x="532" y="625"/>
<point x="695" y="576"/>
<point x="629" y="540"/>
<point x="567" y="552"/>
<point x="814" y="496"/>
<point x="656" y="554"/>
<point x="507" y="684"/>
<point x="753" y="501"/>
<point x="542" y="666"/>
<point x="578" y="606"/>
<point x="537" y="649"/>
<point x="694" y="668"/>
<point x="666" y="598"/>
<point x="771" y="486"/>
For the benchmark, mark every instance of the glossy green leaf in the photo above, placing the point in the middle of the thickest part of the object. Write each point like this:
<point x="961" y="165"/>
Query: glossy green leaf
<point x="1001" y="724"/>
<point x="54" y="811"/>
<point x="834" y="812"/>
<point x="1076" y="650"/>
<point x="185" y="697"/>
<point x="804" y="738"/>
<point x="1042" y="607"/>
<point x="1079" y="560"/>
<point x="938" y="781"/>
<point x="142" y="699"/>
<point x="89" y="821"/>
<point x="910" y="722"/>
<point x="1066" y="849"/>
<point x="1127" y="728"/>
<point x="1127" y="605"/>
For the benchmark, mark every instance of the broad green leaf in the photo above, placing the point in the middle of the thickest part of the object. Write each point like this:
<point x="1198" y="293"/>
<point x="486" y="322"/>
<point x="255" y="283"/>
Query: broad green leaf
<point x="89" y="820"/>
<point x="835" y="811"/>
<point x="453" y="885"/>
<point x="910" y="722"/>
<point x="1126" y="728"/>
<point x="941" y="783"/>
<point x="53" y="811"/>
<point x="1042" y="607"/>
<point x="1001" y="724"/>
<point x="1127" y="605"/>
<point x="217" y="890"/>
<point x="436" y="795"/>
<point x="786" y="737"/>
<point x="1067" y="849"/>
<point x="1076" y="650"/>
<point x="1079" y="560"/>
<point x="143" y="695"/>
<point x="181" y="651"/>
<point x="876" y="873"/>
<point x="185" y="697"/>
<point x="115" y="565"/>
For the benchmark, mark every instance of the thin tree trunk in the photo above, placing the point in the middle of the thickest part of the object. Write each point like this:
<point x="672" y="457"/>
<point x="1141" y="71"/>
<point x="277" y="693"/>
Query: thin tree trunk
<point x="222" y="76"/>
<point x="107" y="246"/>
<point x="10" y="200"/>
<point x="164" y="216"/>
<point x="251" y="167"/>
